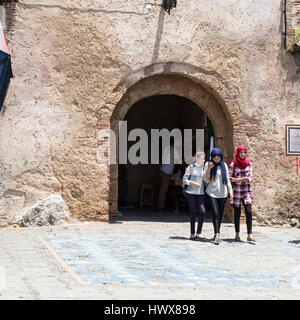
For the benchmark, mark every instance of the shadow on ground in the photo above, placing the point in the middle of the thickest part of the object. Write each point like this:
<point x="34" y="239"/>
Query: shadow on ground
<point x="186" y="238"/>
<point x="295" y="241"/>
<point x="150" y="215"/>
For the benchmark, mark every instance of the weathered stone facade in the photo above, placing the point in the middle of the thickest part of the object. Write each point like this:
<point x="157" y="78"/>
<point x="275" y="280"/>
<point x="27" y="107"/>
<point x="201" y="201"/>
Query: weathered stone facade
<point x="80" y="65"/>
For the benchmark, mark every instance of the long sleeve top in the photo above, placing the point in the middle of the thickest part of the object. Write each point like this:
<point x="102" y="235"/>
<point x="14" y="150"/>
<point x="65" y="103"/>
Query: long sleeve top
<point x="215" y="187"/>
<point x="242" y="193"/>
<point x="194" y="173"/>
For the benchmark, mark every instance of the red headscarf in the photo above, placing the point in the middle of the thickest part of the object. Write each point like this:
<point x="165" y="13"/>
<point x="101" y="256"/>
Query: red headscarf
<point x="242" y="164"/>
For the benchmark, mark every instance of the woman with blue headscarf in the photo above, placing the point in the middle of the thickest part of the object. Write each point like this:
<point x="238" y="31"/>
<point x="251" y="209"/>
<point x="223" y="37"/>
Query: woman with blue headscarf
<point x="218" y="187"/>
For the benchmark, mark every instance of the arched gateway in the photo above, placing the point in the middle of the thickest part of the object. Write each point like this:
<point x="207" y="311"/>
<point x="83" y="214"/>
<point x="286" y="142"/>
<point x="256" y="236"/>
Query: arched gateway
<point x="165" y="81"/>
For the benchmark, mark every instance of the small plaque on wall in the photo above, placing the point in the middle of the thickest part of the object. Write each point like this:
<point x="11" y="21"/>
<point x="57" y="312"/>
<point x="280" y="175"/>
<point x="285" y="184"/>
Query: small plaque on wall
<point x="292" y="132"/>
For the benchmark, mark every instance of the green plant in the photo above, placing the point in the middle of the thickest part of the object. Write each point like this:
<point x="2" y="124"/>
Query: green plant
<point x="291" y="48"/>
<point x="297" y="35"/>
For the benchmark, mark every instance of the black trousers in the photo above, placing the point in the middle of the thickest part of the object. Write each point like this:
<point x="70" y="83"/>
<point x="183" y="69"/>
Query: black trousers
<point x="197" y="207"/>
<point x="217" y="208"/>
<point x="237" y="215"/>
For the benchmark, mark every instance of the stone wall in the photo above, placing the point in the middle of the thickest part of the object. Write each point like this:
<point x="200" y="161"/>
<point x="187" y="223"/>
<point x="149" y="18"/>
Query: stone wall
<point x="75" y="61"/>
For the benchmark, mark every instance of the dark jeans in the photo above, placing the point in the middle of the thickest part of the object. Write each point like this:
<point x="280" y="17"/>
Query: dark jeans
<point x="196" y="205"/>
<point x="217" y="208"/>
<point x="237" y="215"/>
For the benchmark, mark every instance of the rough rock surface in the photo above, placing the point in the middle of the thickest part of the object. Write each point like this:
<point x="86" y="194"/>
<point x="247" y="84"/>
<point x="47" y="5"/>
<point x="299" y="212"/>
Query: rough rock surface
<point x="49" y="211"/>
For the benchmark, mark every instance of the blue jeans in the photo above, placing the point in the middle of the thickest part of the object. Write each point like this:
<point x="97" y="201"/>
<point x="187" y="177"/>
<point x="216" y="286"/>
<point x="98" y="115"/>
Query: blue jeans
<point x="196" y="205"/>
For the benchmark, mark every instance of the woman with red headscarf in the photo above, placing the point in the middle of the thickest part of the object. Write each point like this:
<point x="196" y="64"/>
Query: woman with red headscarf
<point x="240" y="173"/>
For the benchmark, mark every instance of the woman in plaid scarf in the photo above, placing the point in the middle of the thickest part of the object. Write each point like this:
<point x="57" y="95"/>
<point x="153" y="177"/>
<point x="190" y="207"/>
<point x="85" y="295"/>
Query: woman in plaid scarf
<point x="240" y="173"/>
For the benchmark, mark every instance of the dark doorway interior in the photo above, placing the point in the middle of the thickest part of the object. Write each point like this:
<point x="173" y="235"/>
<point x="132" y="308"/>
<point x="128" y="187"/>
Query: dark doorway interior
<point x="158" y="112"/>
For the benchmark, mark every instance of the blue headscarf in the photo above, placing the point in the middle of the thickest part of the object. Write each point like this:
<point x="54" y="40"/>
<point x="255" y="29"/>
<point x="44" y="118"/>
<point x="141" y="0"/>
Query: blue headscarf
<point x="217" y="152"/>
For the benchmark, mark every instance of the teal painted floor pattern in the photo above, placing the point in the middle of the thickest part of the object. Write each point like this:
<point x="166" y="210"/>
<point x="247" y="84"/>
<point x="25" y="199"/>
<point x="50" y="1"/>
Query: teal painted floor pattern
<point x="169" y="261"/>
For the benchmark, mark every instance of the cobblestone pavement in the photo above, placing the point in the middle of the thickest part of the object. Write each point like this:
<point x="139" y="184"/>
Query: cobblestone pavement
<point x="147" y="257"/>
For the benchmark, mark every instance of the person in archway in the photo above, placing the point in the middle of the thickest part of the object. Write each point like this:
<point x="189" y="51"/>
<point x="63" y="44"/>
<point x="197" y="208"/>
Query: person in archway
<point x="216" y="175"/>
<point x="194" y="192"/>
<point x="166" y="170"/>
<point x="240" y="173"/>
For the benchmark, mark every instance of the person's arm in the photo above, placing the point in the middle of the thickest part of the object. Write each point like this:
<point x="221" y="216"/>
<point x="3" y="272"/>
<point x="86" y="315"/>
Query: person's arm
<point x="187" y="174"/>
<point x="234" y="179"/>
<point x="229" y="186"/>
<point x="231" y="168"/>
<point x="185" y="179"/>
<point x="231" y="171"/>
<point x="206" y="174"/>
<point x="249" y="174"/>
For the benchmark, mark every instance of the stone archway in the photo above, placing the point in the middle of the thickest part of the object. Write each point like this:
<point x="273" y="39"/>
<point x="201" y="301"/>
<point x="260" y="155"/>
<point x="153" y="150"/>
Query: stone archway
<point x="176" y="84"/>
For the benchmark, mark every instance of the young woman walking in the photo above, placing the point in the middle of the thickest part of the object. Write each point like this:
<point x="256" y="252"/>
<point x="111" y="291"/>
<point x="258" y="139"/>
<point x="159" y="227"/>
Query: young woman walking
<point x="194" y="192"/>
<point x="218" y="188"/>
<point x="240" y="173"/>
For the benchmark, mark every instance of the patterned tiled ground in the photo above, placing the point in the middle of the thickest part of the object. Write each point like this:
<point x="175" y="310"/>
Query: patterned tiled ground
<point x="171" y="260"/>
